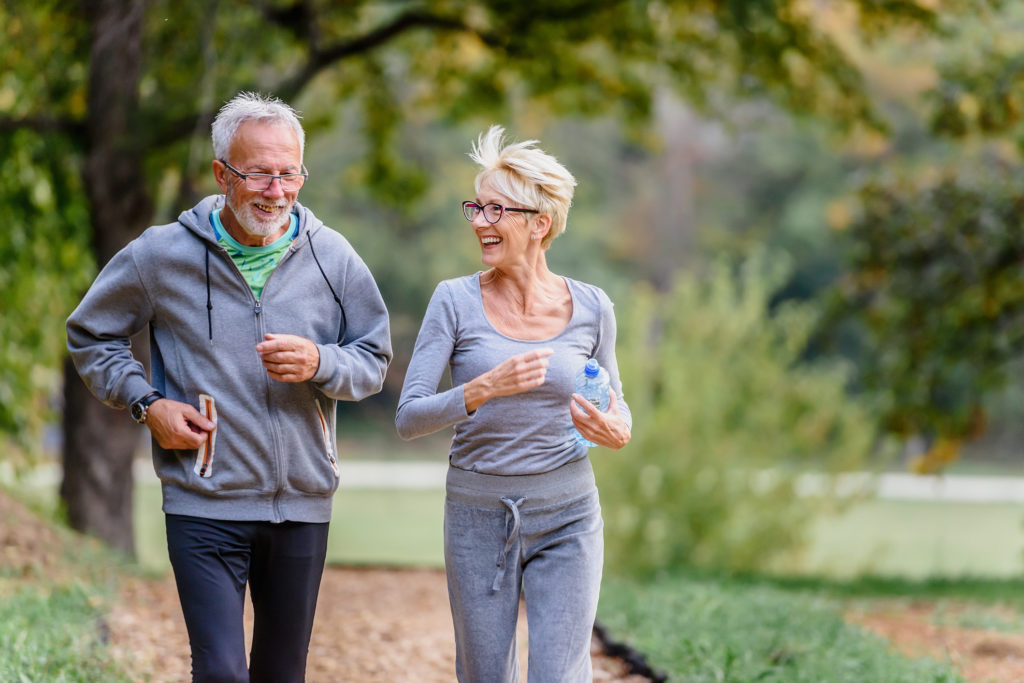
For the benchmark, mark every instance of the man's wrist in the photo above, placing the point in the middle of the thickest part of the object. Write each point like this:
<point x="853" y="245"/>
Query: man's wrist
<point x="140" y="409"/>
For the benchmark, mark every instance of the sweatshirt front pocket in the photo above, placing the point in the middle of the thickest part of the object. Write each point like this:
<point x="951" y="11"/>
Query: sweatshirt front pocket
<point x="204" y="454"/>
<point x="326" y="431"/>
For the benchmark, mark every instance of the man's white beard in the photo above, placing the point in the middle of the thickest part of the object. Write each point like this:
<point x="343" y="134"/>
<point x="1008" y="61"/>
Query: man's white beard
<point x="252" y="221"/>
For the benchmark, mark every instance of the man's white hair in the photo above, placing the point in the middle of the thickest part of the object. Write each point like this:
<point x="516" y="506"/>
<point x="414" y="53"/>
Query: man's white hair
<point x="252" y="106"/>
<point x="527" y="175"/>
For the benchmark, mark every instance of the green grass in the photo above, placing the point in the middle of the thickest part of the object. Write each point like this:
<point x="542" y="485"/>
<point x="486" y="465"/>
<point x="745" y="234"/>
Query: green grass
<point x="981" y="592"/>
<point x="900" y="539"/>
<point x="53" y="603"/>
<point x="54" y="635"/>
<point x="368" y="527"/>
<point x="403" y="528"/>
<point x="895" y="539"/>
<point x="713" y="629"/>
<point x="916" y="539"/>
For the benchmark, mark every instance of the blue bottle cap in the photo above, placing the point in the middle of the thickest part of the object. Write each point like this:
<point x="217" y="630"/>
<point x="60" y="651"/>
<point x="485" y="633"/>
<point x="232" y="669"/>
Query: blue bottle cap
<point x="592" y="368"/>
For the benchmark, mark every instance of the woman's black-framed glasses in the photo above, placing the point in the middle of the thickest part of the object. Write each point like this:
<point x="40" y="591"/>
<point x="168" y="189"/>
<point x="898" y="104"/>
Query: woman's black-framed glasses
<point x="492" y="212"/>
<point x="260" y="182"/>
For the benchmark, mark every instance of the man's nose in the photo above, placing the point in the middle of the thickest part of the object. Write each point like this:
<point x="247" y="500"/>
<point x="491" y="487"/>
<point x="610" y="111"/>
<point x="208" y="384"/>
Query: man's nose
<point x="276" y="188"/>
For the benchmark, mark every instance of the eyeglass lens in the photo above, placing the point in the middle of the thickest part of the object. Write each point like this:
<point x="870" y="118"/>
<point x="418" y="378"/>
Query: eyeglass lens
<point x="262" y="181"/>
<point x="492" y="212"/>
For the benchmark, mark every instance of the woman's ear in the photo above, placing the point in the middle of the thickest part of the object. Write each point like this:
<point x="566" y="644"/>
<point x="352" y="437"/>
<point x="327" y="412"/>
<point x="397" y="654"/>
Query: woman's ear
<point x="541" y="227"/>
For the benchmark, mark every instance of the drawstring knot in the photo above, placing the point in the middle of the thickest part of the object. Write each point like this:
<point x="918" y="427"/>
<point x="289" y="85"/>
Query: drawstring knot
<point x="510" y="539"/>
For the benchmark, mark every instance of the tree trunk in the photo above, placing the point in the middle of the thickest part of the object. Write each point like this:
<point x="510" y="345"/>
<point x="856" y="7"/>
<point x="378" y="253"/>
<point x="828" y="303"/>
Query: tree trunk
<point x="98" y="448"/>
<point x="99" y="443"/>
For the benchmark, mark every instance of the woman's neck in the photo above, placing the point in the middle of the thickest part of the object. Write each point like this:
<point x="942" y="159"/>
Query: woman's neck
<point x="524" y="287"/>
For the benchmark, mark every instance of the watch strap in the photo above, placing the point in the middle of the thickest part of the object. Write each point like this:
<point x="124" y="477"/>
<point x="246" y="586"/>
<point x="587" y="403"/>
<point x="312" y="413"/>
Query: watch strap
<point x="139" y="409"/>
<point x="150" y="398"/>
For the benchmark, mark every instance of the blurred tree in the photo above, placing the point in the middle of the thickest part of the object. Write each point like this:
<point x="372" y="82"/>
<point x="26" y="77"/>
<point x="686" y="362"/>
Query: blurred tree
<point x="933" y="246"/>
<point x="44" y="250"/>
<point x="981" y="75"/>
<point x="131" y="86"/>
<point x="935" y="274"/>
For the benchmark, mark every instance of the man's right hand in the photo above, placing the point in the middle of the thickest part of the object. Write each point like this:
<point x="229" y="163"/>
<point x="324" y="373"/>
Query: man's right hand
<point x="176" y="425"/>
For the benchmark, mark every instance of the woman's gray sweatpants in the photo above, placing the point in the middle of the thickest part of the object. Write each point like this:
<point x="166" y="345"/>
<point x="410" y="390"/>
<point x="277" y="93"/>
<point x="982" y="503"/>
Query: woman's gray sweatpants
<point x="538" y="533"/>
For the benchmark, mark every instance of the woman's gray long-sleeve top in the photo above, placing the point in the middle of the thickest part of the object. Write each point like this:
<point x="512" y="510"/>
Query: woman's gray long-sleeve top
<point x="527" y="433"/>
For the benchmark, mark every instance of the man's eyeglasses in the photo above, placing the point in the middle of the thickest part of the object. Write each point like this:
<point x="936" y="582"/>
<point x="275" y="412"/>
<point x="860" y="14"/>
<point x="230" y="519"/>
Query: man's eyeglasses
<point x="259" y="182"/>
<point x="492" y="212"/>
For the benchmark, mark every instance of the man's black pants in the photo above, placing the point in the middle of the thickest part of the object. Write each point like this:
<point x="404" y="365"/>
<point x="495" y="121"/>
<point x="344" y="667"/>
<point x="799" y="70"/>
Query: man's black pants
<point x="283" y="564"/>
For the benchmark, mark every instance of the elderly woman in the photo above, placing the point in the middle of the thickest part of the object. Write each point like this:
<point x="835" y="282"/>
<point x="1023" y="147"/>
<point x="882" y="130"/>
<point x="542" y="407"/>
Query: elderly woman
<point x="522" y="510"/>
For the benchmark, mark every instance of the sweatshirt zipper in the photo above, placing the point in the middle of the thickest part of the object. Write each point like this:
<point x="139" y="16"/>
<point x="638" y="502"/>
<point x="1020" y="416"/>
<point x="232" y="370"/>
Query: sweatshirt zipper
<point x="257" y="309"/>
<point x="275" y="432"/>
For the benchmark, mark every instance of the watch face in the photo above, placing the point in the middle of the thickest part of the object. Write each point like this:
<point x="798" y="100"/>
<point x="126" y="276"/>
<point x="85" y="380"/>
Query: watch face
<point x="138" y="411"/>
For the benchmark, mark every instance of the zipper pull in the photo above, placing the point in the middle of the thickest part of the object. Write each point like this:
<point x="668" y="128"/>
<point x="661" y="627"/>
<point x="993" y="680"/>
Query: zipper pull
<point x="258" y="308"/>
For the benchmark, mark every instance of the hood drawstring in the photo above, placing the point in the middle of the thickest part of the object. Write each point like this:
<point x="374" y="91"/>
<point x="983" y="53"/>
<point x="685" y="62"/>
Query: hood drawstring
<point x="344" y="320"/>
<point x="337" y="300"/>
<point x="209" y="302"/>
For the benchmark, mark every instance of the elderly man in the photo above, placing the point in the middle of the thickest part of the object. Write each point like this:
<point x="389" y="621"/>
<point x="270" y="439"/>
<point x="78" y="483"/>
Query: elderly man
<point x="261" y="319"/>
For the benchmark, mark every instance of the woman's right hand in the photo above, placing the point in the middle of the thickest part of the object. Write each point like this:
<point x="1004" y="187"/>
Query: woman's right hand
<point x="515" y="375"/>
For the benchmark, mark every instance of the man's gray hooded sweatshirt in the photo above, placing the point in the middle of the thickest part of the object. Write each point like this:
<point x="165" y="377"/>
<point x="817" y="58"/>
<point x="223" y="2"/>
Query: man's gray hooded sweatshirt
<point x="272" y="456"/>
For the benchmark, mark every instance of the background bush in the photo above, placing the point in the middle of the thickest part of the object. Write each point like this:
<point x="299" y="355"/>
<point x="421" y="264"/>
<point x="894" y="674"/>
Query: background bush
<point x="727" y="415"/>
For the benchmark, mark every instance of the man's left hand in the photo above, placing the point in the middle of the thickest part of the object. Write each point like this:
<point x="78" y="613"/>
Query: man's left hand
<point x="289" y="358"/>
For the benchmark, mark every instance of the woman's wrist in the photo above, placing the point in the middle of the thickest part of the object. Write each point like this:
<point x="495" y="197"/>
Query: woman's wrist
<point x="475" y="393"/>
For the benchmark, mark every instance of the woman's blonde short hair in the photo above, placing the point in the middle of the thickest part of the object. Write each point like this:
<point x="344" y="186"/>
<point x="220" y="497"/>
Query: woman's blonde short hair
<point x="526" y="175"/>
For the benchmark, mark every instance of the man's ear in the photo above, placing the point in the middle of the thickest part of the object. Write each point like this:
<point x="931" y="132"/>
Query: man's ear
<point x="220" y="173"/>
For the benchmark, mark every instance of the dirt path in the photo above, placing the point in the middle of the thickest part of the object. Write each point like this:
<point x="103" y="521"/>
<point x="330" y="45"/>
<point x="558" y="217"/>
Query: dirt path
<point x="371" y="625"/>
<point x="924" y="629"/>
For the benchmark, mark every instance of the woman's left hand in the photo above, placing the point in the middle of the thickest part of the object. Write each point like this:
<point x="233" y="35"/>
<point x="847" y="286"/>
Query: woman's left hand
<point x="606" y="429"/>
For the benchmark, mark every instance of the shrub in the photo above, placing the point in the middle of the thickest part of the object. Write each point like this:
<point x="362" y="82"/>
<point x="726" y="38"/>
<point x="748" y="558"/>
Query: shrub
<point x="727" y="416"/>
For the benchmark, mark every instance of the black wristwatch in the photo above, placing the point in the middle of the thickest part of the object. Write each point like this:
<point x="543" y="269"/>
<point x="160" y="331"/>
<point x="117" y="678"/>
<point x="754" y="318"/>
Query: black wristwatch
<point x="140" y="409"/>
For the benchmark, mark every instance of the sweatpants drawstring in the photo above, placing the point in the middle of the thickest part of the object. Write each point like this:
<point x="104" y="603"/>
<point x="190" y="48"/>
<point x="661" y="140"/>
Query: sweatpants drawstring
<point x="513" y="506"/>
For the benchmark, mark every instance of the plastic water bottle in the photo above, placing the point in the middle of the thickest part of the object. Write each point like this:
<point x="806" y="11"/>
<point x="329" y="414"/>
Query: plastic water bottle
<point x="592" y="383"/>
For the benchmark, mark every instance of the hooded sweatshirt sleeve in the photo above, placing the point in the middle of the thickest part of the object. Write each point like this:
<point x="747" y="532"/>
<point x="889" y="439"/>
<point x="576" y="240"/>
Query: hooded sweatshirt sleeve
<point x="99" y="330"/>
<point x="354" y="368"/>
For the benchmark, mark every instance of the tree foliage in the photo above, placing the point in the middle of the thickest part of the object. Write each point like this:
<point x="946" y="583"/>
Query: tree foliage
<point x="932" y="244"/>
<point x="981" y="75"/>
<point x="727" y="416"/>
<point x="935" y="274"/>
<point x="46" y="263"/>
